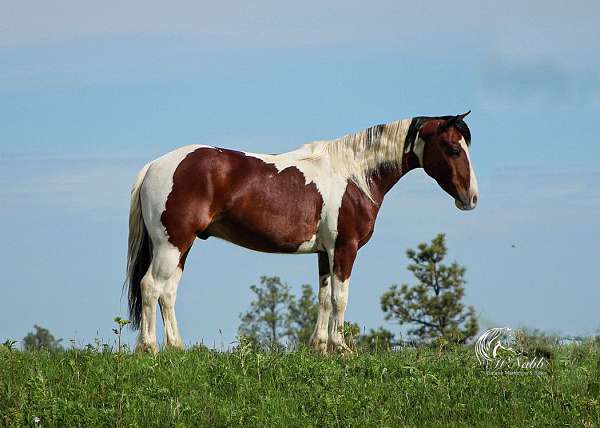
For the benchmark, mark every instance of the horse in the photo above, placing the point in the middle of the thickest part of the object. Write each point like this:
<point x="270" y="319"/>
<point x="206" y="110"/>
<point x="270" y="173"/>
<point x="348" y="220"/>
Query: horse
<point x="321" y="198"/>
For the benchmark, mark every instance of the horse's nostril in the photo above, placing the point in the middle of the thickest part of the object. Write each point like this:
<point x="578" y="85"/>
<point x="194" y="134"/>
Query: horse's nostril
<point x="474" y="200"/>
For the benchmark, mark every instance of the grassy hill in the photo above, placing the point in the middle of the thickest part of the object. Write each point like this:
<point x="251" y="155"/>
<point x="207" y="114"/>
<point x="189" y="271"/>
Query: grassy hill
<point x="414" y="387"/>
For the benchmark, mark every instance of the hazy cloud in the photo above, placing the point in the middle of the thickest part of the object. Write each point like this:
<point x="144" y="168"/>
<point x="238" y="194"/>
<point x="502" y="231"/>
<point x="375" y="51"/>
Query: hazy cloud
<point x="511" y="83"/>
<point x="512" y="26"/>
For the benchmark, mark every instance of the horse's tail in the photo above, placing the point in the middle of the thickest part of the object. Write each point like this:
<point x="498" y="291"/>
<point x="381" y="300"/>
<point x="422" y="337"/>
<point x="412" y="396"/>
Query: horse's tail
<point x="139" y="251"/>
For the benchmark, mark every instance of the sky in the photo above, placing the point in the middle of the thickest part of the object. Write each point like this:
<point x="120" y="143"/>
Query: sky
<point x="91" y="92"/>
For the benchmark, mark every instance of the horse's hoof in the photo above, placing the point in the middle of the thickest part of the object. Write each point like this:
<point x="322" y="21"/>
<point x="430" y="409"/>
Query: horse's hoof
<point x="177" y="345"/>
<point x="320" y="347"/>
<point x="148" y="348"/>
<point x="341" y="349"/>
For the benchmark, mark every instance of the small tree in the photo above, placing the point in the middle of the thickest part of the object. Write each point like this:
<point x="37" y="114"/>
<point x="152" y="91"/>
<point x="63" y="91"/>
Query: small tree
<point x="433" y="306"/>
<point x="303" y="314"/>
<point x="267" y="322"/>
<point x="41" y="339"/>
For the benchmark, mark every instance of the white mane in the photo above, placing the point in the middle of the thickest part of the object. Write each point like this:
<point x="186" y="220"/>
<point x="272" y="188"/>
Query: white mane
<point x="355" y="156"/>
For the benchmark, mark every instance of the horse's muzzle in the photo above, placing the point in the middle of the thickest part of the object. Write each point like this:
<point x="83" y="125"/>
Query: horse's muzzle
<point x="467" y="206"/>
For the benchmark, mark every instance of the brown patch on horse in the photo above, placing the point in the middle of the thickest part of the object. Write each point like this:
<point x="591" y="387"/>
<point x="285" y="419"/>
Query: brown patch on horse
<point x="357" y="215"/>
<point x="356" y="222"/>
<point x="410" y="161"/>
<point x="242" y="199"/>
<point x="444" y="159"/>
<point x="356" y="218"/>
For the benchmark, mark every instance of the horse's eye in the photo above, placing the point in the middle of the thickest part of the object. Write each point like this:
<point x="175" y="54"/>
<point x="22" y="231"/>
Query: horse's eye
<point x="454" y="151"/>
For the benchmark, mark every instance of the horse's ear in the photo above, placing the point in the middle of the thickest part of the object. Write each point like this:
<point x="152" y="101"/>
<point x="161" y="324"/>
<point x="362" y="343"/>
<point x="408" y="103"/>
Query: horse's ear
<point x="451" y="121"/>
<point x="462" y="116"/>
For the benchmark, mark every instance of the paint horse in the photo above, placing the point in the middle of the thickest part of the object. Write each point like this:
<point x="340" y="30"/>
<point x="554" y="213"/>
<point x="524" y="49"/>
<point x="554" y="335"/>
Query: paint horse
<point x="322" y="198"/>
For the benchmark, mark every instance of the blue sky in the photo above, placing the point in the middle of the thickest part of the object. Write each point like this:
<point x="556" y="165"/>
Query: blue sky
<point x="89" y="93"/>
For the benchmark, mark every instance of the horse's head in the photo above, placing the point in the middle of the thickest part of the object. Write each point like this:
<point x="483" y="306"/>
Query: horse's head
<point x="445" y="158"/>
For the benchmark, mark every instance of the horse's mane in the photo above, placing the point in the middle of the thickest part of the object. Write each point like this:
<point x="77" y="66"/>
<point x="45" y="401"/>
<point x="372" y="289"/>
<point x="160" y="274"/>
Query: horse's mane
<point x="356" y="156"/>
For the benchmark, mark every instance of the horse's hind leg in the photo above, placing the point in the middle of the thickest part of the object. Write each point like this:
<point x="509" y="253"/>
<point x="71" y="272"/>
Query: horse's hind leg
<point x="147" y="337"/>
<point x="163" y="274"/>
<point x="167" y="308"/>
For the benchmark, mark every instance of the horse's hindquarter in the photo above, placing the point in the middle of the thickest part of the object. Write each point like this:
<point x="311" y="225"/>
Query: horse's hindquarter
<point x="244" y="200"/>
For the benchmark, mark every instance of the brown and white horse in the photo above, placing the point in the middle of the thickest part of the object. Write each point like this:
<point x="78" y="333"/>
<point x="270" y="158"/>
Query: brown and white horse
<point x="322" y="198"/>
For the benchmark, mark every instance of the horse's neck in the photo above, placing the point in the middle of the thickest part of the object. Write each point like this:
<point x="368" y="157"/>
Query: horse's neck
<point x="385" y="177"/>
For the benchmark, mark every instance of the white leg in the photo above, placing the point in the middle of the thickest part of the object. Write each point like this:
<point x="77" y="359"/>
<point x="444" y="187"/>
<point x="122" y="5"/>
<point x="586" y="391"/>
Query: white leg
<point x="318" y="340"/>
<point x="147" y="337"/>
<point x="164" y="265"/>
<point x="167" y="308"/>
<point x="319" y="337"/>
<point x="339" y="301"/>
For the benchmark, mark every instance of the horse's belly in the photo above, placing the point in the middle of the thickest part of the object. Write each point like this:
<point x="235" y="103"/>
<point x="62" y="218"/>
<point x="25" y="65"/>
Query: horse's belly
<point x="270" y="239"/>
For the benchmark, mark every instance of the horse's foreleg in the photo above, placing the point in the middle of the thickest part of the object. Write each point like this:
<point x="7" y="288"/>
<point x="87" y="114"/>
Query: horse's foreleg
<point x="343" y="261"/>
<point x="339" y="301"/>
<point x="318" y="340"/>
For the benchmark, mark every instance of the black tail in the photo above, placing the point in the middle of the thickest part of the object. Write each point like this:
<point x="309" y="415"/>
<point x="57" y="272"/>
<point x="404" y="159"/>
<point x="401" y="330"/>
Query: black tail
<point x="139" y="269"/>
<point x="139" y="254"/>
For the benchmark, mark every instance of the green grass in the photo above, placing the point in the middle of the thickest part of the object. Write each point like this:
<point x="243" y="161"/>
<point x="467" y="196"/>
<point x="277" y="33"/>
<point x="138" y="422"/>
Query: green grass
<point x="414" y="387"/>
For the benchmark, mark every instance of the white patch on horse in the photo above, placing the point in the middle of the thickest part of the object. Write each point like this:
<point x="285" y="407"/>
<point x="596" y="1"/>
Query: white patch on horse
<point x="309" y="246"/>
<point x="473" y="191"/>
<point x="418" y="148"/>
